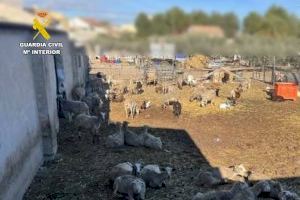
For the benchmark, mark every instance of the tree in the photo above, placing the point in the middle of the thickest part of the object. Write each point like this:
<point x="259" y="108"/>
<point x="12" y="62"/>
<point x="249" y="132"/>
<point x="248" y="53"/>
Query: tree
<point x="143" y="25"/>
<point x="159" y="24"/>
<point x="230" y="24"/>
<point x="199" y="17"/>
<point x="253" y="23"/>
<point x="177" y="20"/>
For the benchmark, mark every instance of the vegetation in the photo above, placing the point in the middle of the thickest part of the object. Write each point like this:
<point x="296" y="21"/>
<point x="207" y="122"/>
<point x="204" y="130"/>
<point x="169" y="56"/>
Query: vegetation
<point x="276" y="22"/>
<point x="276" y="33"/>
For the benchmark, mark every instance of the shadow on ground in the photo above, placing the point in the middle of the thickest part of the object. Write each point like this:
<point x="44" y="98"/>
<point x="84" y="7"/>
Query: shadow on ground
<point x="81" y="169"/>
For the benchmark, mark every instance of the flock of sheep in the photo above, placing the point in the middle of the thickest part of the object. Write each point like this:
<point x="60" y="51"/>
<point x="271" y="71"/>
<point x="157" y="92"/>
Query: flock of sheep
<point x="123" y="92"/>
<point x="89" y="111"/>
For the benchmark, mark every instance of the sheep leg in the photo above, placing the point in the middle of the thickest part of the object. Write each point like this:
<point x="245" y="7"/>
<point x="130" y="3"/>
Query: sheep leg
<point x="116" y="190"/>
<point x="130" y="195"/>
<point x="126" y="111"/>
<point x="79" y="135"/>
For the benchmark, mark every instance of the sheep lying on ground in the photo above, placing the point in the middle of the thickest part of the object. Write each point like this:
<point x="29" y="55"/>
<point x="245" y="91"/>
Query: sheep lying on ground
<point x="151" y="141"/>
<point x="116" y="139"/>
<point x="88" y="123"/>
<point x="241" y="191"/>
<point x="208" y="179"/>
<point x="132" y="138"/>
<point x="144" y="139"/>
<point x="73" y="108"/>
<point x="130" y="186"/>
<point x="234" y="173"/>
<point x="154" y="177"/>
<point x="125" y="168"/>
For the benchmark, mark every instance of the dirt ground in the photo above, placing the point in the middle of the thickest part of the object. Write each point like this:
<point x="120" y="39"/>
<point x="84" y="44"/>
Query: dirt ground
<point x="261" y="134"/>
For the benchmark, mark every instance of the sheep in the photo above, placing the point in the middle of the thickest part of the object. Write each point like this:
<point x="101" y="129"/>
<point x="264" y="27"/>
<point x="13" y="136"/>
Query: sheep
<point x="180" y="83"/>
<point x="286" y="195"/>
<point x="151" y="141"/>
<point x="208" y="179"/>
<point x="131" y="138"/>
<point x="207" y="97"/>
<point x="261" y="187"/>
<point x="145" y="105"/>
<point x="132" y="187"/>
<point x="221" y="195"/>
<point x="191" y="81"/>
<point x="94" y="102"/>
<point x="125" y="168"/>
<point x="235" y="94"/>
<point x="245" y="85"/>
<point x="169" y="102"/>
<point x="78" y="93"/>
<point x="73" y="108"/>
<point x="153" y="176"/>
<point x="225" y="106"/>
<point x="137" y="88"/>
<point x="117" y="139"/>
<point x="177" y="108"/>
<point x="245" y="194"/>
<point x="89" y="123"/>
<point x="159" y="89"/>
<point x="131" y="108"/>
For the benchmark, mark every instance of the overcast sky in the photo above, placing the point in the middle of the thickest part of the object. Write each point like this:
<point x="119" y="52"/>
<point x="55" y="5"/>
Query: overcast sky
<point x="124" y="11"/>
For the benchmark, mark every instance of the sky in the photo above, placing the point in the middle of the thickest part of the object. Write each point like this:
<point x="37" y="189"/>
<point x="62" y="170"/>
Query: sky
<point x="125" y="11"/>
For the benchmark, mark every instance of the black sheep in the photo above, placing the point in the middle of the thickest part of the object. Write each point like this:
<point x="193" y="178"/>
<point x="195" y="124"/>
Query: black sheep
<point x="177" y="108"/>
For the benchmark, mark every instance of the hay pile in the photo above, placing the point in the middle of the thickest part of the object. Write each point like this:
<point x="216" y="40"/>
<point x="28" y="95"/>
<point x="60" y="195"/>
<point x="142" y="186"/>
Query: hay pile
<point x="196" y="62"/>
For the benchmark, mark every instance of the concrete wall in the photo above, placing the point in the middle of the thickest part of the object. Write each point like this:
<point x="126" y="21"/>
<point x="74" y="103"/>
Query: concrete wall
<point x="28" y="107"/>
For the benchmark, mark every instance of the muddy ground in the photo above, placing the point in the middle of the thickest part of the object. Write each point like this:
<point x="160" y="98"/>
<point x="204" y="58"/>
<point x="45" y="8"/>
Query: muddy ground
<point x="261" y="134"/>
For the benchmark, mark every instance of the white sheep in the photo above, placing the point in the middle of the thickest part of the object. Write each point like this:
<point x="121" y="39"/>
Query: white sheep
<point x="89" y="123"/>
<point x="154" y="177"/>
<point x="117" y="139"/>
<point x="125" y="168"/>
<point x="132" y="138"/>
<point x="134" y="188"/>
<point x="151" y="141"/>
